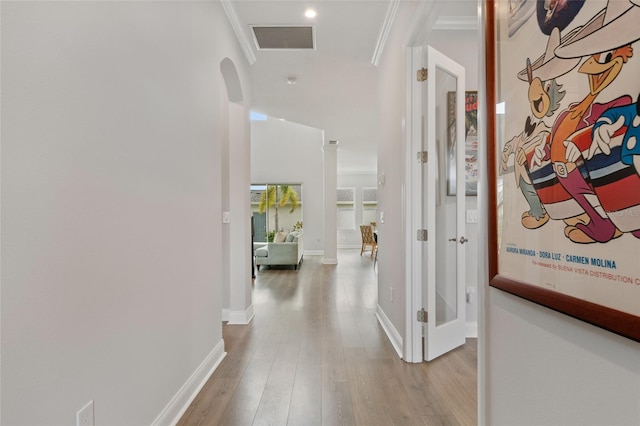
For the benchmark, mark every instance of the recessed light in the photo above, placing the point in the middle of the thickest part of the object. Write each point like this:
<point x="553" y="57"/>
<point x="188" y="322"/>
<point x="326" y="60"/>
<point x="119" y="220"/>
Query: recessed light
<point x="310" y="13"/>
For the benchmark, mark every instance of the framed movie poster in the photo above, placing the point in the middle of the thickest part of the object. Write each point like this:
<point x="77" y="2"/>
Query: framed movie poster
<point x="470" y="143"/>
<point x="564" y="156"/>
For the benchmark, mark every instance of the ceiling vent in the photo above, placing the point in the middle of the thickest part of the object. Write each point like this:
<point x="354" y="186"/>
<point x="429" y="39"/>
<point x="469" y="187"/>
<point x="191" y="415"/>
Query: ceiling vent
<point x="284" y="37"/>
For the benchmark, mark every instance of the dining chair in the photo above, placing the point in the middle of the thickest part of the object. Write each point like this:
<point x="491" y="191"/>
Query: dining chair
<point x="367" y="239"/>
<point x="375" y="260"/>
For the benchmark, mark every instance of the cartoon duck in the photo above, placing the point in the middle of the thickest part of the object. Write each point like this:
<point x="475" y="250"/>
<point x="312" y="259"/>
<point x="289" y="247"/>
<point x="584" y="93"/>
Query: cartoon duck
<point x="606" y="40"/>
<point x="545" y="95"/>
<point x="613" y="161"/>
<point x="533" y="137"/>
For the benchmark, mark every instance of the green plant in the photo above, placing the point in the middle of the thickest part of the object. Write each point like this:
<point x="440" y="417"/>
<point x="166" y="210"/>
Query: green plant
<point x="270" y="235"/>
<point x="269" y="198"/>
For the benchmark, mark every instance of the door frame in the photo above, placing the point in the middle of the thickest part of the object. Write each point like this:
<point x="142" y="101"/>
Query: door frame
<point x="412" y="348"/>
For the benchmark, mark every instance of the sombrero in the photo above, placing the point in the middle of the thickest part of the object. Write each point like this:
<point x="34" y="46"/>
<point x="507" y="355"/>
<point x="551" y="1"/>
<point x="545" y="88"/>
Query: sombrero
<point x="549" y="66"/>
<point x="615" y="26"/>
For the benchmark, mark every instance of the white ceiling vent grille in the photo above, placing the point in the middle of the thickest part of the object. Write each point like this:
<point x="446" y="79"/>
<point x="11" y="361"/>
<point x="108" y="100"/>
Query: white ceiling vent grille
<point x="283" y="37"/>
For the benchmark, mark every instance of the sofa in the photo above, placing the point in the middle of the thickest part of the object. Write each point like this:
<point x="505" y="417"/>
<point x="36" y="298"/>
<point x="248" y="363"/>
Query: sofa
<point x="287" y="249"/>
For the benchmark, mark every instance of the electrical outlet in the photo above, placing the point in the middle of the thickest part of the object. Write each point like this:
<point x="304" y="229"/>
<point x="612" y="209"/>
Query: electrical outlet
<point x="85" y="416"/>
<point x="391" y="293"/>
<point x="470" y="292"/>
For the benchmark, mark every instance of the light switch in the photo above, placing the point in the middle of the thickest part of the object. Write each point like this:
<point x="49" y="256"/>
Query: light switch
<point x="225" y="217"/>
<point x="472" y="216"/>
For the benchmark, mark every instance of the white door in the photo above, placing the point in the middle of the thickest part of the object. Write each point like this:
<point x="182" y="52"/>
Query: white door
<point x="440" y="208"/>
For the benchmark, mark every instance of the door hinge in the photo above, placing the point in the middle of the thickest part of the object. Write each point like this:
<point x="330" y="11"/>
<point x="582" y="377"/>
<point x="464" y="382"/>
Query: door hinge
<point x="423" y="73"/>
<point x="422" y="235"/>
<point x="423" y="316"/>
<point x="422" y="156"/>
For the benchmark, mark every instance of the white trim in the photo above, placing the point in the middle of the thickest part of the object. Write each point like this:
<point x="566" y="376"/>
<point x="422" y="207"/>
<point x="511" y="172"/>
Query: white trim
<point x="407" y="350"/>
<point x="469" y="23"/>
<point x="314" y="252"/>
<point x="245" y="44"/>
<point x="384" y="31"/>
<point x="178" y="405"/>
<point x="225" y="314"/>
<point x="471" y="330"/>
<point x="390" y="330"/>
<point x="483" y="302"/>
<point x="241" y="317"/>
<point x="330" y="261"/>
<point x="412" y="209"/>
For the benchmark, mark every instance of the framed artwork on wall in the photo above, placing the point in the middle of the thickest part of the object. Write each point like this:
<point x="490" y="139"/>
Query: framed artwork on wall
<point x="563" y="127"/>
<point x="470" y="143"/>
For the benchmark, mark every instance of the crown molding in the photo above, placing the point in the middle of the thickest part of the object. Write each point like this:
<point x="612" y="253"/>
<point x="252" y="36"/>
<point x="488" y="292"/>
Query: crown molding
<point x="384" y="31"/>
<point x="456" y="23"/>
<point x="237" y="29"/>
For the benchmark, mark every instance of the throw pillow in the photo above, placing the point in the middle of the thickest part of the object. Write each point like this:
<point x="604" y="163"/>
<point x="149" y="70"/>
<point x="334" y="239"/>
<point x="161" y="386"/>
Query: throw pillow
<point x="280" y="236"/>
<point x="289" y="238"/>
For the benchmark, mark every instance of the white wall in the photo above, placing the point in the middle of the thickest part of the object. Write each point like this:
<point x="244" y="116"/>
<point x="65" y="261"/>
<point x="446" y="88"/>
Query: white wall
<point x="111" y="211"/>
<point x="225" y="235"/>
<point x="546" y="368"/>
<point x="392" y="115"/>
<point x="239" y="247"/>
<point x="351" y="237"/>
<point x="285" y="152"/>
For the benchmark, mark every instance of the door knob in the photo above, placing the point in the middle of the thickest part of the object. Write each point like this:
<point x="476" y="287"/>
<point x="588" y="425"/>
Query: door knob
<point x="453" y="239"/>
<point x="463" y="240"/>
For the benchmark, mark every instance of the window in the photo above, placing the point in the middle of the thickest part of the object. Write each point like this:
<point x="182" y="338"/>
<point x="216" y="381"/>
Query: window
<point x="280" y="210"/>
<point x="346" y="205"/>
<point x="369" y="205"/>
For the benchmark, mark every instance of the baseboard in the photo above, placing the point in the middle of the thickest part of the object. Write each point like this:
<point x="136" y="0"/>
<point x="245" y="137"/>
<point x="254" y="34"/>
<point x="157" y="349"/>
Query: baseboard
<point x="326" y="261"/>
<point x="225" y="314"/>
<point x="390" y="330"/>
<point x="314" y="252"/>
<point x="471" y="330"/>
<point x="180" y="402"/>
<point x="241" y="317"/>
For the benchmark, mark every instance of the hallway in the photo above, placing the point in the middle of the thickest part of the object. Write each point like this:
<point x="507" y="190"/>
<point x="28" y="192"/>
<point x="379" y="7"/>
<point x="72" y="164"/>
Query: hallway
<point x="315" y="354"/>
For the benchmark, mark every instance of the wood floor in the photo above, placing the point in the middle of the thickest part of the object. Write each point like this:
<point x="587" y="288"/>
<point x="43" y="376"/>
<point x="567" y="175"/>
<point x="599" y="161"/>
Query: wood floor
<point x="316" y="355"/>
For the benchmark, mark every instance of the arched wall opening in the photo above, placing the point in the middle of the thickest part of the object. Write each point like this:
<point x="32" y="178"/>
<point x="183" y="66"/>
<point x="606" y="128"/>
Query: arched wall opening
<point x="235" y="177"/>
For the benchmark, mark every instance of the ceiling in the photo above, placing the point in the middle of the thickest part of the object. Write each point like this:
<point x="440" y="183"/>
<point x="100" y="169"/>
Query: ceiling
<point x="336" y="84"/>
